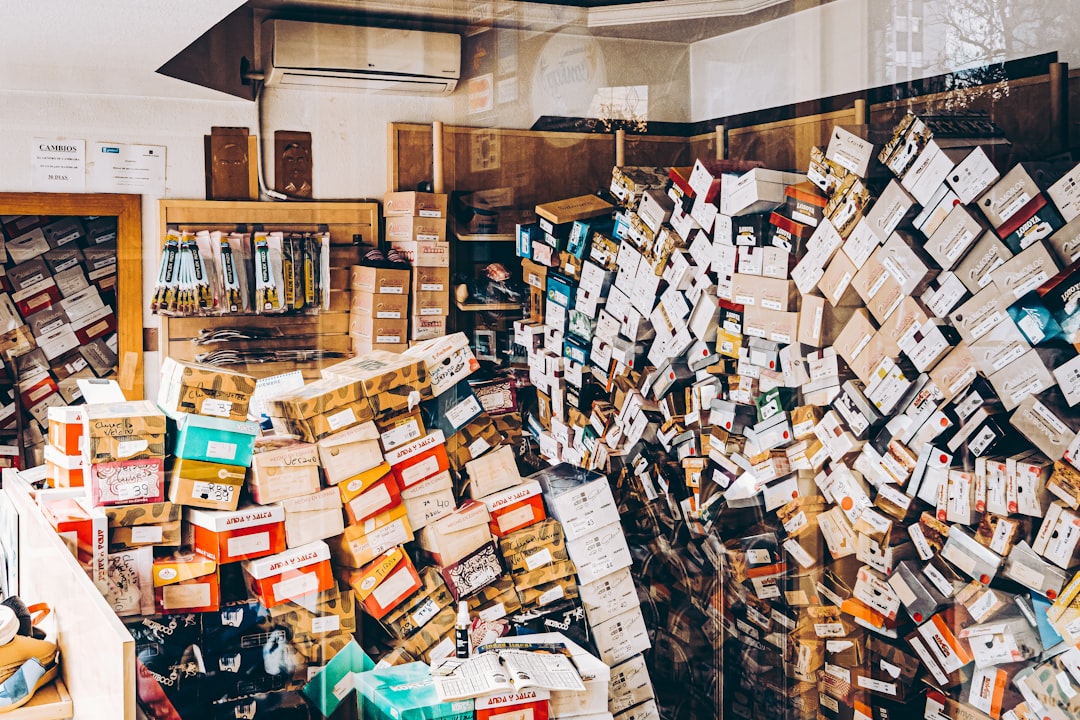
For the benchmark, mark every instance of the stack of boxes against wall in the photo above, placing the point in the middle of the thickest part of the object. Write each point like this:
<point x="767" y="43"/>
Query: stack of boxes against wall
<point x="850" y="397"/>
<point x="57" y="317"/>
<point x="385" y="492"/>
<point x="416" y="228"/>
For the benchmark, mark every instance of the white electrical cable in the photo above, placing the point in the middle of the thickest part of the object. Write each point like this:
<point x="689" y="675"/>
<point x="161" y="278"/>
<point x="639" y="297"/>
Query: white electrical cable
<point x="263" y="188"/>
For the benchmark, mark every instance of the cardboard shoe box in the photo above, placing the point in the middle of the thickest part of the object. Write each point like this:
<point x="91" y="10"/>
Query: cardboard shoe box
<point x="385" y="583"/>
<point x="492" y="472"/>
<point x="418" y="204"/>
<point x="244" y="534"/>
<point x="388" y="380"/>
<point x="349" y="453"/>
<point x="290" y="575"/>
<point x="429" y="500"/>
<point x="601" y="552"/>
<point x="414" y="228"/>
<point x="186" y="583"/>
<point x="581" y="500"/>
<point x="515" y="508"/>
<point x="379" y="306"/>
<point x="313" y="517"/>
<point x="211" y="486"/>
<point x="215" y="440"/>
<point x="458" y="534"/>
<point x="379" y="281"/>
<point x="204" y="390"/>
<point x="360" y="544"/>
<point x="285" y="472"/>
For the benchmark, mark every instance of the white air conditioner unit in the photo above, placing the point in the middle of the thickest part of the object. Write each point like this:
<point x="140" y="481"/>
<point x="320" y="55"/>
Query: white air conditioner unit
<point x="348" y="57"/>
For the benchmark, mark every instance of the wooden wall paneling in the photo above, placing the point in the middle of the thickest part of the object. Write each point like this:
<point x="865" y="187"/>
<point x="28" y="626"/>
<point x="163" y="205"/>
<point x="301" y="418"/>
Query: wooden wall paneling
<point x="659" y="151"/>
<point x="97" y="651"/>
<point x="1020" y="108"/>
<point x="536" y="166"/>
<point x="701" y="146"/>
<point x="786" y="143"/>
<point x="345" y="221"/>
<point x="129" y="253"/>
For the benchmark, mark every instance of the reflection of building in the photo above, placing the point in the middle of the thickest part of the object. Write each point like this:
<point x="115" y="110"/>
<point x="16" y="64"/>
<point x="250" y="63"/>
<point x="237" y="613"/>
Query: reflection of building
<point x="902" y="39"/>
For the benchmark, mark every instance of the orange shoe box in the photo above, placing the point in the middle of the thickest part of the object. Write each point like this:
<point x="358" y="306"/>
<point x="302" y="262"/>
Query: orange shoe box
<point x="63" y="470"/>
<point x="290" y="575"/>
<point x="186" y="583"/>
<point x="380" y="497"/>
<point x="515" y="508"/>
<point x="243" y="534"/>
<point x="385" y="583"/>
<point x="66" y="429"/>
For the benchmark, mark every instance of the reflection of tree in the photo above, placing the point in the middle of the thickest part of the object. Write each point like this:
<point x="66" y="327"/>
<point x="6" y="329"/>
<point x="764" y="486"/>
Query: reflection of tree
<point x="980" y="35"/>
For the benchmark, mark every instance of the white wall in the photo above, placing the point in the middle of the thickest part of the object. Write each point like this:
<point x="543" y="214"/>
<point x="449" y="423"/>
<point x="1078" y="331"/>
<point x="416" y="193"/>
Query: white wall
<point x="179" y="125"/>
<point x="844" y="47"/>
<point x="349" y="131"/>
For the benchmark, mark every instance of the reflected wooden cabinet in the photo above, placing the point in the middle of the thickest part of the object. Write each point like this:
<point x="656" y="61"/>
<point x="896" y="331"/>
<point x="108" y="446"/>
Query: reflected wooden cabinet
<point x="71" y="304"/>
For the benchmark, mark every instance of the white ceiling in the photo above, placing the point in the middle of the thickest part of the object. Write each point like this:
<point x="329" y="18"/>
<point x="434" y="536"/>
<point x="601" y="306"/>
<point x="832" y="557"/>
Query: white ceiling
<point x="110" y="47"/>
<point x="114" y="47"/>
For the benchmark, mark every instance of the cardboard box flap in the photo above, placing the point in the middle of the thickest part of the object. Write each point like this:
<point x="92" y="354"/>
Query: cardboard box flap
<point x="292" y="559"/>
<point x="221" y="521"/>
<point x="139" y="417"/>
<point x="180" y="567"/>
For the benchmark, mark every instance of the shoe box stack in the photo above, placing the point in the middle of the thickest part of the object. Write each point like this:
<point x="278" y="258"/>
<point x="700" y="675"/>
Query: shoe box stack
<point x="416" y="228"/>
<point x="57" y="316"/>
<point x="837" y="412"/>
<point x="382" y="495"/>
<point x="379" y="309"/>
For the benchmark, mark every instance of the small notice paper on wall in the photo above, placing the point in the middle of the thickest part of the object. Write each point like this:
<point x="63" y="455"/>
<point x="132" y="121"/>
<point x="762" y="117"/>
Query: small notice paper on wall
<point x="58" y="165"/>
<point x="124" y="168"/>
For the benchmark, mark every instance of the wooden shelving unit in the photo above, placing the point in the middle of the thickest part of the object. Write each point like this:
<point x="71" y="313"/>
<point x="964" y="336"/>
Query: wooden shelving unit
<point x="350" y="224"/>
<point x="487" y="307"/>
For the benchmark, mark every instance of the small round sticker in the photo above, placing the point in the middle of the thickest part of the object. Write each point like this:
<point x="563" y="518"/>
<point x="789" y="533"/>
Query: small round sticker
<point x="167" y="573"/>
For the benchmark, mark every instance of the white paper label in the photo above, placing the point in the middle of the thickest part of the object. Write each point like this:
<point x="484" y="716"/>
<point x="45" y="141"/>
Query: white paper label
<point x="443" y="650"/>
<point x="325" y="624"/>
<point x="1027" y="576"/>
<point x="798" y="552"/>
<point x="479" y="447"/>
<point x="127" y="448"/>
<point x="463" y="411"/>
<point x="900" y="587"/>
<point x="303" y="584"/>
<point x="555" y="593"/>
<point x="983" y="606"/>
<point x="1000" y="539"/>
<point x="180" y="597"/>
<point x="495" y="612"/>
<point x="757" y="556"/>
<point x="221" y="450"/>
<point x="146" y="534"/>
<point x="217" y="408"/>
<point x="877" y="685"/>
<point x="248" y="544"/>
<point x="829" y="629"/>
<point x="940" y="581"/>
<point x="919" y="540"/>
<point x="214" y="492"/>
<point x="341" y="418"/>
<point x="415" y="473"/>
<point x="344" y="686"/>
<point x="366" y="503"/>
<point x="538" y="559"/>
<point x="404" y="433"/>
<point x="393" y="587"/>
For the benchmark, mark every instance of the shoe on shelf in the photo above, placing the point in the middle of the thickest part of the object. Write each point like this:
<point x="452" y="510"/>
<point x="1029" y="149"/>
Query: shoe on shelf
<point x="26" y="665"/>
<point x="28" y="617"/>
